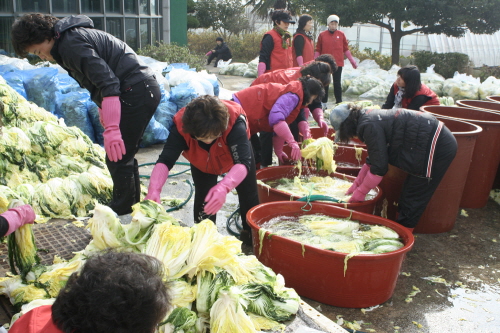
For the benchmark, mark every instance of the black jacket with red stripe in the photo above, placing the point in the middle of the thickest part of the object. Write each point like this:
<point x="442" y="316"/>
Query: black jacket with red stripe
<point x="401" y="137"/>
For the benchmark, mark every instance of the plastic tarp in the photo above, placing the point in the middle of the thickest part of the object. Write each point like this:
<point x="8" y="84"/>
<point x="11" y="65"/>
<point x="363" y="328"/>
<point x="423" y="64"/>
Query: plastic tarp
<point x="182" y="94"/>
<point x="15" y="79"/>
<point x="41" y="85"/>
<point x="72" y="106"/>
<point x="155" y="133"/>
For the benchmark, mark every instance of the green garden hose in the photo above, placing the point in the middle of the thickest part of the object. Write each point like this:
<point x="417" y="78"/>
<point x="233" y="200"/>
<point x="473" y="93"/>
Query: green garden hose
<point x="170" y="175"/>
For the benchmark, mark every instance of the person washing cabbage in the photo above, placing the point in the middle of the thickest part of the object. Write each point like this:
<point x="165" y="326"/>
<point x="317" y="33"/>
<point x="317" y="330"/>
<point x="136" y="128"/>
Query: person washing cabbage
<point x="409" y="92"/>
<point x="413" y="141"/>
<point x="213" y="135"/>
<point x="125" y="90"/>
<point x="271" y="107"/>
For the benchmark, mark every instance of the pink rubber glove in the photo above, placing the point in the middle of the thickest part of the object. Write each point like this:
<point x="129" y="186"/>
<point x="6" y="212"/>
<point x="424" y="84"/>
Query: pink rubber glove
<point x="19" y="216"/>
<point x="217" y="194"/>
<point x="261" y="69"/>
<point x="304" y="129"/>
<point x="370" y="181"/>
<point x="208" y="53"/>
<point x="113" y="142"/>
<point x="278" y="143"/>
<point x="351" y="59"/>
<point x="359" y="179"/>
<point x="282" y="130"/>
<point x="318" y="116"/>
<point x="300" y="60"/>
<point x="316" y="54"/>
<point x="156" y="181"/>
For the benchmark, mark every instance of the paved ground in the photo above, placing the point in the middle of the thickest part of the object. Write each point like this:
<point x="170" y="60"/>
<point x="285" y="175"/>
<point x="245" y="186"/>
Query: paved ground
<point x="465" y="300"/>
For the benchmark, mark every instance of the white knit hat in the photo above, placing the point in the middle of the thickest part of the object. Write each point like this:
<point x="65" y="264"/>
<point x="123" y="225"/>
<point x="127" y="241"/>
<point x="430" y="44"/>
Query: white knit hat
<point x="332" y="18"/>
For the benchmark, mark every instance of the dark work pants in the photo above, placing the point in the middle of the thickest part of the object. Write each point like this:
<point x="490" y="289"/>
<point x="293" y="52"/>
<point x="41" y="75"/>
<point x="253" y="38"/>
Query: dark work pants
<point x="138" y="104"/>
<point x="212" y="56"/>
<point x="417" y="191"/>
<point x="337" y="87"/>
<point x="247" y="193"/>
<point x="266" y="144"/>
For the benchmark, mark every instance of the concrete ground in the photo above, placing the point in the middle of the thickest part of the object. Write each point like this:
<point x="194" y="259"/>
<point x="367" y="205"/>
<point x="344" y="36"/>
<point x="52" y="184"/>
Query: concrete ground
<point x="454" y="276"/>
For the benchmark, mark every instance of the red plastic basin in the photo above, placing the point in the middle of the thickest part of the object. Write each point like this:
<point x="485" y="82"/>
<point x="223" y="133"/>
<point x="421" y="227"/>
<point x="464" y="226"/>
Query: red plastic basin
<point x="486" y="156"/>
<point x="318" y="274"/>
<point x="288" y="171"/>
<point x="495" y="99"/>
<point x="475" y="104"/>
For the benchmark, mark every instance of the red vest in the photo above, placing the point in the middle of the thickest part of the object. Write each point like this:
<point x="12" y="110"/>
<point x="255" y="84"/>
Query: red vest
<point x="283" y="76"/>
<point x="280" y="58"/>
<point x="259" y="100"/>
<point x="219" y="160"/>
<point x="424" y="90"/>
<point x="334" y="44"/>
<point x="307" y="52"/>
<point x="38" y="320"/>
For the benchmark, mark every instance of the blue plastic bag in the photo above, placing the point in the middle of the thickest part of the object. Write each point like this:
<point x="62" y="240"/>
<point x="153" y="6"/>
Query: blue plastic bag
<point x="93" y="111"/>
<point x="178" y="65"/>
<point x="73" y="108"/>
<point x="182" y="94"/>
<point x="41" y="85"/>
<point x="15" y="79"/>
<point x="165" y="114"/>
<point x="66" y="83"/>
<point x="155" y="133"/>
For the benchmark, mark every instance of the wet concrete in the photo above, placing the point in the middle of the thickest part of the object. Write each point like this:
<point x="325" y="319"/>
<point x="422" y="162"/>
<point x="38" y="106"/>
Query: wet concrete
<point x="465" y="297"/>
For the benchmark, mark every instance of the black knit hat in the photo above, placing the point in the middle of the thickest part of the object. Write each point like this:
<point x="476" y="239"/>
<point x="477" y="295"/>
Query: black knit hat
<point x="219" y="39"/>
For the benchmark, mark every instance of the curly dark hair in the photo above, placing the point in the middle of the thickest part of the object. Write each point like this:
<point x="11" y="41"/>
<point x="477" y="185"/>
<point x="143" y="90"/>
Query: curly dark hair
<point x="311" y="87"/>
<point x="32" y="29"/>
<point x="205" y="116"/>
<point x="411" y="76"/>
<point x="349" y="127"/>
<point x="114" y="293"/>
<point x="329" y="60"/>
<point x="319" y="70"/>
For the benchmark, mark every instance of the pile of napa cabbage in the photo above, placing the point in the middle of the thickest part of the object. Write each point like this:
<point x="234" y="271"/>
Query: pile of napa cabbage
<point x="213" y="284"/>
<point x="55" y="168"/>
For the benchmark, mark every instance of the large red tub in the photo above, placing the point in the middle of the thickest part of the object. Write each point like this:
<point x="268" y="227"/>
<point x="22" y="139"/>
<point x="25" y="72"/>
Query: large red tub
<point x="318" y="274"/>
<point x="486" y="156"/>
<point x="495" y="99"/>
<point x="267" y="194"/>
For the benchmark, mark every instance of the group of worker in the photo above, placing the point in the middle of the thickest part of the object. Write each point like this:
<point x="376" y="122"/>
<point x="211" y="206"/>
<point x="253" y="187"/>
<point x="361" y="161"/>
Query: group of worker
<point x="229" y="138"/>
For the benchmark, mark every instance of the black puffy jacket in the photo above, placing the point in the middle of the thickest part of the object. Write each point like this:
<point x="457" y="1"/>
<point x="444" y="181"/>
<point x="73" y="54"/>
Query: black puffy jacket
<point x="100" y="62"/>
<point x="400" y="137"/>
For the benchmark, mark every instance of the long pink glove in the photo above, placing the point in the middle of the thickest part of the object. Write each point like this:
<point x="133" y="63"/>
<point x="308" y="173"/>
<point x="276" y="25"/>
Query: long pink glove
<point x="261" y="68"/>
<point x="282" y="130"/>
<point x="359" y="179"/>
<point x="316" y="54"/>
<point x="113" y="142"/>
<point x="19" y="216"/>
<point x="370" y="181"/>
<point x="304" y="129"/>
<point x="217" y="194"/>
<point x="351" y="59"/>
<point x="318" y="116"/>
<point x="300" y="60"/>
<point x="278" y="143"/>
<point x="208" y="53"/>
<point x="156" y="181"/>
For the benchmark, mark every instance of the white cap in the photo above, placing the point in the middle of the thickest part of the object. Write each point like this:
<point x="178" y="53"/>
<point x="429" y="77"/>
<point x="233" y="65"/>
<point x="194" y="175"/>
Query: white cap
<point x="332" y="18"/>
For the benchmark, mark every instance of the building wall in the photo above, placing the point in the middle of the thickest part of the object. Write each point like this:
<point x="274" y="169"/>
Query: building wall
<point x="137" y="22"/>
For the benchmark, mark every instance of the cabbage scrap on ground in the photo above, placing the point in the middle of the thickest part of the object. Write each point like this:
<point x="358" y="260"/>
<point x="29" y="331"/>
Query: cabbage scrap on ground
<point x="213" y="284"/>
<point x="335" y="234"/>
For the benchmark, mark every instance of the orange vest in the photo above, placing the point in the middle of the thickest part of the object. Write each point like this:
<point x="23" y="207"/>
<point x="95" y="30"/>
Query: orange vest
<point x="283" y="76"/>
<point x="38" y="320"/>
<point x="219" y="159"/>
<point x="307" y="52"/>
<point x="259" y="100"/>
<point x="424" y="90"/>
<point x="280" y="58"/>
